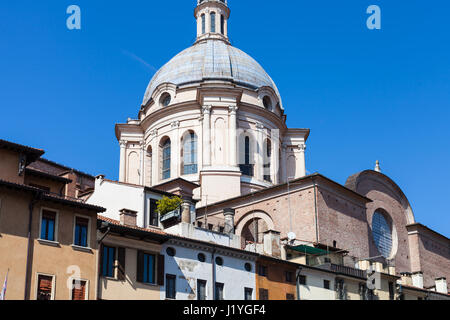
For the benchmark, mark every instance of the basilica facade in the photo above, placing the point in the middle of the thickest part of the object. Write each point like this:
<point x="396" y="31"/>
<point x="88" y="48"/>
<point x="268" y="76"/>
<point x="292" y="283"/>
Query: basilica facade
<point x="212" y="118"/>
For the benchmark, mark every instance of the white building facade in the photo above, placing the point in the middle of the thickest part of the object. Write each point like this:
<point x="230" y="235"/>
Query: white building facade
<point x="211" y="114"/>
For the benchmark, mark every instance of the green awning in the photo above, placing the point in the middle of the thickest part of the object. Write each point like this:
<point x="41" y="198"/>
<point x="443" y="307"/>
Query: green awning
<point x="310" y="250"/>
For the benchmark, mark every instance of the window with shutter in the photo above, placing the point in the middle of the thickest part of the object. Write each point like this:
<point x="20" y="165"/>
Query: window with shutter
<point x="263" y="294"/>
<point x="121" y="256"/>
<point x="146" y="268"/>
<point x="48" y="225"/>
<point x="81" y="232"/>
<point x="108" y="258"/>
<point x="161" y="271"/>
<point x="45" y="284"/>
<point x="79" y="290"/>
<point x="201" y="290"/>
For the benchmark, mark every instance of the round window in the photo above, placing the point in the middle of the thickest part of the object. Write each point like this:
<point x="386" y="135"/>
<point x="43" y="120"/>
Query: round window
<point x="219" y="261"/>
<point x="201" y="257"/>
<point x="382" y="233"/>
<point x="248" y="267"/>
<point x="170" y="251"/>
<point x="165" y="99"/>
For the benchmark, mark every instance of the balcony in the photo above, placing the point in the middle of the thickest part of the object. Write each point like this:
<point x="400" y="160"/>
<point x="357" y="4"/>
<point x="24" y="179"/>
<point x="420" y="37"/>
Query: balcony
<point x="247" y="169"/>
<point x="344" y="270"/>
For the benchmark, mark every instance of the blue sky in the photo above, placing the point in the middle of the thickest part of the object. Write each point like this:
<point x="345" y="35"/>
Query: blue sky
<point x="366" y="95"/>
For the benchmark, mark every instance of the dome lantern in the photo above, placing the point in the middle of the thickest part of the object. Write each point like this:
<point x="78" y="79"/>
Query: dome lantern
<point x="212" y="20"/>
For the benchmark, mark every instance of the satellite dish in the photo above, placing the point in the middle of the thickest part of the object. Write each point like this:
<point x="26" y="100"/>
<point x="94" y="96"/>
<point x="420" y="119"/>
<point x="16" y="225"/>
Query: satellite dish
<point x="291" y="236"/>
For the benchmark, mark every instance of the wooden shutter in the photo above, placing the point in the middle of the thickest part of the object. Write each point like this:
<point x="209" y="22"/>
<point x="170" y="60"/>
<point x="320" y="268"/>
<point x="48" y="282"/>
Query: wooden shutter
<point x="80" y="293"/>
<point x="121" y="255"/>
<point x="140" y="266"/>
<point x="44" y="288"/>
<point x="161" y="270"/>
<point x="100" y="265"/>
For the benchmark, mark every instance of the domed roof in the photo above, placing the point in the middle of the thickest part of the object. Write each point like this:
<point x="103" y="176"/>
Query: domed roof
<point x="211" y="60"/>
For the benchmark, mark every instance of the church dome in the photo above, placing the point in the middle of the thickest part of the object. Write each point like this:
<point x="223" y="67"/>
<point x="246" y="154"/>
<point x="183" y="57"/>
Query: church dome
<point x="212" y="60"/>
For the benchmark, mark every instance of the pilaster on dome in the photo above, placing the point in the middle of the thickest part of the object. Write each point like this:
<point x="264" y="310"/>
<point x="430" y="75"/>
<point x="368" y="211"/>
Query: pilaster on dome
<point x="212" y="20"/>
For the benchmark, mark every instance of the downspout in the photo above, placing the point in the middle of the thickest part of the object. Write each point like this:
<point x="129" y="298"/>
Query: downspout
<point x="213" y="284"/>
<point x="299" y="270"/>
<point x="33" y="201"/>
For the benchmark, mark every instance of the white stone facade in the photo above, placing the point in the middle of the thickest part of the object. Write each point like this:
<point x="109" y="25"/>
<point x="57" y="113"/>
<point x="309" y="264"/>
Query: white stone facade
<point x="221" y="98"/>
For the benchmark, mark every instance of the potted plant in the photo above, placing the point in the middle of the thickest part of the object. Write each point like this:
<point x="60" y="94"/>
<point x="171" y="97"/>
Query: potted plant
<point x="169" y="208"/>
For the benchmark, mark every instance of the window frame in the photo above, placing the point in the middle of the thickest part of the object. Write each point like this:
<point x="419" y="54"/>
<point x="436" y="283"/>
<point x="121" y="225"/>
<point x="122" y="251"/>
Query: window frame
<point x="219" y="287"/>
<point x="201" y="281"/>
<point x="114" y="262"/>
<point x="212" y="19"/>
<point x="174" y="278"/>
<point x="248" y="290"/>
<point x="86" y="293"/>
<point x="88" y="231"/>
<point x="166" y="172"/>
<point x="52" y="296"/>
<point x="56" y="226"/>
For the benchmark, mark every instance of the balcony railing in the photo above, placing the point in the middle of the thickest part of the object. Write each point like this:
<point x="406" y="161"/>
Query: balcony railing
<point x="349" y="271"/>
<point x="247" y="169"/>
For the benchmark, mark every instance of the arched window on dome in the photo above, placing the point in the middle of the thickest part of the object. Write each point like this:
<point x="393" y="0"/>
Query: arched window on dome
<point x="165" y="159"/>
<point x="203" y="24"/>
<point x="222" y="24"/>
<point x="213" y="22"/>
<point x="267" y="160"/>
<point x="267" y="103"/>
<point x="189" y="153"/>
<point x="245" y="158"/>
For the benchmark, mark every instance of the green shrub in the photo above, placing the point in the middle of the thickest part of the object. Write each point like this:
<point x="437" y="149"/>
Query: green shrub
<point x="166" y="204"/>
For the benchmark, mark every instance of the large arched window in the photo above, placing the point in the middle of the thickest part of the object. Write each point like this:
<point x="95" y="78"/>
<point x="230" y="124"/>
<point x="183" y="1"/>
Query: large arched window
<point x="189" y="153"/>
<point x="246" y="166"/>
<point x="382" y="233"/>
<point x="267" y="160"/>
<point x="213" y="22"/>
<point x="203" y="23"/>
<point x="165" y="167"/>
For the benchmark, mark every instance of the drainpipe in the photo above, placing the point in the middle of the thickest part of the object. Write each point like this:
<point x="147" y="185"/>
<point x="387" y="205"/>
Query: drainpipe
<point x="213" y="263"/>
<point x="99" y="272"/>
<point x="34" y="200"/>
<point x="299" y="270"/>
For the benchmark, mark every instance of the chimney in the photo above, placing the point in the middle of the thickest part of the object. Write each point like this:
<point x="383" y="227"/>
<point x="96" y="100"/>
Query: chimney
<point x="441" y="285"/>
<point x="417" y="279"/>
<point x="392" y="270"/>
<point x="406" y="278"/>
<point x="363" y="264"/>
<point x="186" y="211"/>
<point x="229" y="220"/>
<point x="128" y="217"/>
<point x="272" y="243"/>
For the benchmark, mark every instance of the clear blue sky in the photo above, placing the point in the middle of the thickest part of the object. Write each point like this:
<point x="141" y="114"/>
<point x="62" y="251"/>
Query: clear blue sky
<point x="366" y="95"/>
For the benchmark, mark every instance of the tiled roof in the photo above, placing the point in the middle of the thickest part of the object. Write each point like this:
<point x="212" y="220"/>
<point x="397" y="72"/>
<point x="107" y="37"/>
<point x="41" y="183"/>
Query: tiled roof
<point x="52" y="196"/>
<point x="117" y="223"/>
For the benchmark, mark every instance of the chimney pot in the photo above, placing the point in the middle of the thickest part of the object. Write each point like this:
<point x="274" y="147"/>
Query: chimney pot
<point x="441" y="285"/>
<point x="128" y="217"/>
<point x="229" y="220"/>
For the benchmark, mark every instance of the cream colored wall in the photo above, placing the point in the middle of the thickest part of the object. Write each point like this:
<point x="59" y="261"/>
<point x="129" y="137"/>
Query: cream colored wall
<point x="51" y="260"/>
<point x="130" y="289"/>
<point x="13" y="241"/>
<point x="9" y="169"/>
<point x="63" y="260"/>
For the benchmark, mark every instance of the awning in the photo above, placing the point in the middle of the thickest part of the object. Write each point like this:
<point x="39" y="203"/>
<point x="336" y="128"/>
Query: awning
<point x="309" y="250"/>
